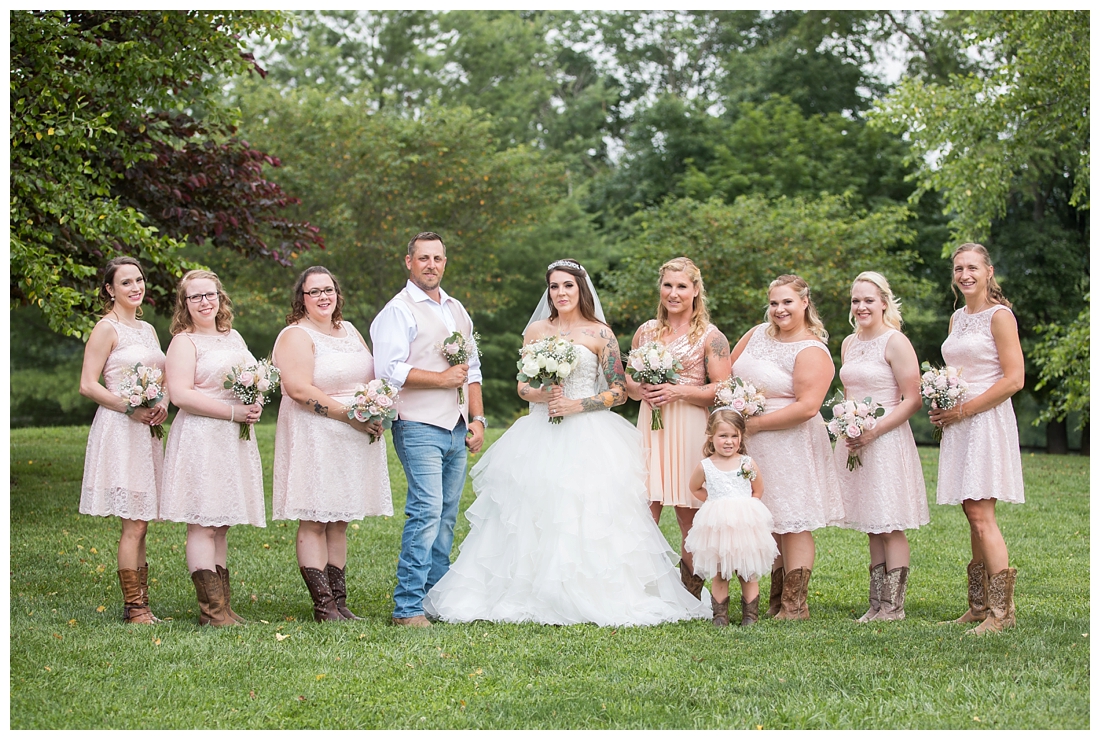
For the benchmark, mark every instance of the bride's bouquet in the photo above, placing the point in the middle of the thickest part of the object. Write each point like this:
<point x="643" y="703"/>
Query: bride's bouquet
<point x="943" y="388"/>
<point x="742" y="397"/>
<point x="458" y="349"/>
<point x="375" y="401"/>
<point x="849" y="420"/>
<point x="141" y="386"/>
<point x="653" y="363"/>
<point x="548" y="361"/>
<point x="252" y="384"/>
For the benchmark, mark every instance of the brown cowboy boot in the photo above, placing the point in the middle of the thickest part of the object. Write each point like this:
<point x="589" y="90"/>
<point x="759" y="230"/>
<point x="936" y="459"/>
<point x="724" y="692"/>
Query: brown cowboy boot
<point x="796" y="585"/>
<point x="1002" y="607"/>
<point x="720" y="612"/>
<point x="143" y="576"/>
<point x="211" y="598"/>
<point x="223" y="574"/>
<point x="775" y="597"/>
<point x="134" y="605"/>
<point x="977" y="588"/>
<point x="874" y="592"/>
<point x="338" y="583"/>
<point x="750" y="611"/>
<point x="893" y="596"/>
<point x="324" y="605"/>
<point x="692" y="582"/>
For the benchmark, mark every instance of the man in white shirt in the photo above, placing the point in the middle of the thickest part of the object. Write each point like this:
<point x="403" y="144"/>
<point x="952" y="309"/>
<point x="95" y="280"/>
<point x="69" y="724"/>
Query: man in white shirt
<point x="434" y="427"/>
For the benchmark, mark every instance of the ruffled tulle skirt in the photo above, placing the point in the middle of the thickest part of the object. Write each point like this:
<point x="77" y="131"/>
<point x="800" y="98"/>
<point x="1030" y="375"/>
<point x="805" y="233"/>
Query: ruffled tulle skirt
<point x="561" y="533"/>
<point x="732" y="536"/>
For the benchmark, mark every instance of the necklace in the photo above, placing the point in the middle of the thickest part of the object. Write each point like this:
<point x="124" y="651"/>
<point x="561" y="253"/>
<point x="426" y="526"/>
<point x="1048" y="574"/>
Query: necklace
<point x="135" y="325"/>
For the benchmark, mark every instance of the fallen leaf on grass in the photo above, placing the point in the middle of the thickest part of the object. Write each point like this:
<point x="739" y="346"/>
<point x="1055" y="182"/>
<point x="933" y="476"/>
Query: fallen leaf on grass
<point x="46" y="668"/>
<point x="289" y="619"/>
<point x="72" y="622"/>
<point x="100" y="568"/>
<point x="355" y="526"/>
<point x="301" y="698"/>
<point x="59" y="637"/>
<point x="156" y="641"/>
<point x="478" y="672"/>
<point x="264" y="621"/>
<point x="320" y="676"/>
<point x="267" y="546"/>
<point x="251" y="694"/>
<point x="760" y="727"/>
<point x="94" y="551"/>
<point x="977" y="719"/>
<point x="280" y="637"/>
<point x="101" y="608"/>
<point x="253" y="598"/>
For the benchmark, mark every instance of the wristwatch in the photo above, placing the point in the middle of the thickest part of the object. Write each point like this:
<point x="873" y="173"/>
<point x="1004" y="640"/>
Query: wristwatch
<point x="484" y="423"/>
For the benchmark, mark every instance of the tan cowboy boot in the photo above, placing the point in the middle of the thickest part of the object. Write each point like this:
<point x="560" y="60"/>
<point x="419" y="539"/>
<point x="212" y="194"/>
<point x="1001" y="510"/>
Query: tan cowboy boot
<point x="143" y="576"/>
<point x="874" y="591"/>
<point x="223" y="574"/>
<point x="775" y="597"/>
<point x="211" y="598"/>
<point x="1002" y="607"/>
<point x="796" y="586"/>
<point x="977" y="587"/>
<point x="134" y="605"/>
<point x="893" y="596"/>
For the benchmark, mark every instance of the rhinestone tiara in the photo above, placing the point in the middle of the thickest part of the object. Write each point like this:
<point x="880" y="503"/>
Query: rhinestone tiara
<point x="565" y="263"/>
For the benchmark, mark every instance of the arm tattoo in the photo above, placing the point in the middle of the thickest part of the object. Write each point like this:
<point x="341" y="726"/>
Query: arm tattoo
<point x="524" y="391"/>
<point x="317" y="407"/>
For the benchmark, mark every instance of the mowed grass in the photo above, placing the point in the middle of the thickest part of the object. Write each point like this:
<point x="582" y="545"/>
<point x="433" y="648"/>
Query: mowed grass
<point x="75" y="665"/>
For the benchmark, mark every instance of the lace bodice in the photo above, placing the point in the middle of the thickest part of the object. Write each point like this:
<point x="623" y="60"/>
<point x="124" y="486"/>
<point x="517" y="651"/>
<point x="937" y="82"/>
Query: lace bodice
<point x="866" y="372"/>
<point x="722" y="484"/>
<point x="339" y="363"/>
<point x="134" y="345"/>
<point x="691" y="354"/>
<point x="215" y="356"/>
<point x="768" y="364"/>
<point x="583" y="382"/>
<point x="970" y="348"/>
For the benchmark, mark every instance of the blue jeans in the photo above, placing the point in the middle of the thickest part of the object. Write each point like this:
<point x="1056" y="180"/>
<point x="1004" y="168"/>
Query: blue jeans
<point x="434" y="460"/>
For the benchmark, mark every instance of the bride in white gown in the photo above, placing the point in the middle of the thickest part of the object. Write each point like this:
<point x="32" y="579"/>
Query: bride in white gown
<point x="560" y="532"/>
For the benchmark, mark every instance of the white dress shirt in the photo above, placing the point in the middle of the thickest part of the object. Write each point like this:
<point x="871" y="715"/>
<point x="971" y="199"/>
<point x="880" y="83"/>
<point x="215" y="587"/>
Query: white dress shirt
<point x="394" y="329"/>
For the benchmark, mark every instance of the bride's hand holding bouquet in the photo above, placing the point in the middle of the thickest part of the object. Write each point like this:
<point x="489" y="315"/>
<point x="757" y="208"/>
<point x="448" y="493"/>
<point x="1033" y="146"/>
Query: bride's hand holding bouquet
<point x="547" y="363"/>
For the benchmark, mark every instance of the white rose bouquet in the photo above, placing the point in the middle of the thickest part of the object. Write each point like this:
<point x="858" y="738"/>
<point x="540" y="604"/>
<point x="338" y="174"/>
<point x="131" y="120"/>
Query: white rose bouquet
<point x="375" y="401"/>
<point x="653" y="363"/>
<point x="850" y="418"/>
<point x="943" y="388"/>
<point x="141" y="386"/>
<point x="548" y="361"/>
<point x="252" y="384"/>
<point x="742" y="397"/>
<point x="458" y="349"/>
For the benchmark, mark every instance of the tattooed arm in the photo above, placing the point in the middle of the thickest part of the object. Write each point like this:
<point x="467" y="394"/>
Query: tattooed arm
<point x="535" y="332"/>
<point x="611" y="365"/>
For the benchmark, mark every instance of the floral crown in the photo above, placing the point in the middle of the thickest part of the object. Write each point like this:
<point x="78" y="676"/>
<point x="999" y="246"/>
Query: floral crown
<point x="716" y="409"/>
<point x="565" y="263"/>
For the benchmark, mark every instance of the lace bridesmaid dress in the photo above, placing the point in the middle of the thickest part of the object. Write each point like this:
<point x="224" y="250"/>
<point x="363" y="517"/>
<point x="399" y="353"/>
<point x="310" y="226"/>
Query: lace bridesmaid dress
<point x="800" y="485"/>
<point x="560" y="532"/>
<point x="732" y="533"/>
<point x="123" y="461"/>
<point x="211" y="476"/>
<point x="887" y="493"/>
<point x="324" y="470"/>
<point x="675" y="450"/>
<point x="979" y="455"/>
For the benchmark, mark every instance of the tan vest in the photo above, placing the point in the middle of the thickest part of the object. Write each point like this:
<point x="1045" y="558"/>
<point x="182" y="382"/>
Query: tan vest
<point x="436" y="406"/>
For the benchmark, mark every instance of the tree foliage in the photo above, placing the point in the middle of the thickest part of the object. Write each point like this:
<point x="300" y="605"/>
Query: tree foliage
<point x="1020" y="123"/>
<point x="101" y="106"/>
<point x="1063" y="360"/>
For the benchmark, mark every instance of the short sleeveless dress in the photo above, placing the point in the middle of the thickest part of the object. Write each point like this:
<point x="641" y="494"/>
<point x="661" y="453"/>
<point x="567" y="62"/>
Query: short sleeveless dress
<point x="675" y="450"/>
<point x="887" y="493"/>
<point x="732" y="533"/>
<point x="979" y="455"/>
<point x="324" y="470"/>
<point x="211" y="476"/>
<point x="123" y="461"/>
<point x="801" y="488"/>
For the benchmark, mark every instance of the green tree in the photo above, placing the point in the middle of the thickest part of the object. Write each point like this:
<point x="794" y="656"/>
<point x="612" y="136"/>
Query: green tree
<point x="1063" y="359"/>
<point x="86" y="88"/>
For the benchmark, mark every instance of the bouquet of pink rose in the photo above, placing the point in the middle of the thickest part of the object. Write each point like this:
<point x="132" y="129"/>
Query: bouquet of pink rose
<point x="943" y="388"/>
<point x="850" y="418"/>
<point x="252" y="384"/>
<point x="458" y="349"/>
<point x="653" y="363"/>
<point x="742" y="397"/>
<point x="548" y="361"/>
<point x="141" y="386"/>
<point x="375" y="401"/>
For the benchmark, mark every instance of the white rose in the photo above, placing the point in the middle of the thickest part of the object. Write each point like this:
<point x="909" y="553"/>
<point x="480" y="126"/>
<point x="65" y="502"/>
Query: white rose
<point x="541" y="360"/>
<point x="564" y="368"/>
<point x="551" y="365"/>
<point x="653" y="359"/>
<point x="531" y="369"/>
<point x="951" y="372"/>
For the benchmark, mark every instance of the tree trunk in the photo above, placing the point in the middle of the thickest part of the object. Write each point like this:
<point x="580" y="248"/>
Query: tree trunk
<point x="1085" y="439"/>
<point x="1057" y="440"/>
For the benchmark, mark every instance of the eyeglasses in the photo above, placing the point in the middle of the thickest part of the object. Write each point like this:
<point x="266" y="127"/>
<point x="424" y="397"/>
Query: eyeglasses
<point x="199" y="297"/>
<point x="318" y="292"/>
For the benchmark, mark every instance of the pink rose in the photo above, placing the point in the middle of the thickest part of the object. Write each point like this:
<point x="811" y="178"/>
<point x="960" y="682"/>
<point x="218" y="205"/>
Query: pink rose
<point x="361" y="415"/>
<point x="451" y="348"/>
<point x="870" y="422"/>
<point x="853" y="431"/>
<point x="637" y="363"/>
<point x="384" y="401"/>
<point x="375" y="385"/>
<point x="246" y="379"/>
<point x="264" y="385"/>
<point x="135" y="400"/>
<point x="739" y="404"/>
<point x="152" y="392"/>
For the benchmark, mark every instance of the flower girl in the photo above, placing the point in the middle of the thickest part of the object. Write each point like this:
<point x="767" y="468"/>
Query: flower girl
<point x="732" y="532"/>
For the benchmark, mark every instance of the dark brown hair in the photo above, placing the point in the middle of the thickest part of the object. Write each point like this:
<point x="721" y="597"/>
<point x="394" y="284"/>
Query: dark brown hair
<point x="425" y="236"/>
<point x="181" y="317"/>
<point x="587" y="302"/>
<point x="109" y="271"/>
<point x="298" y="297"/>
<point x="729" y="416"/>
<point x="992" y="289"/>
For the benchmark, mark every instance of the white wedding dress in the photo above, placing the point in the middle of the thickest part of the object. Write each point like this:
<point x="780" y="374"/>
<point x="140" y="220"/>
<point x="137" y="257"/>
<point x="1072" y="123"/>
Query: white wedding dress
<point x="561" y="532"/>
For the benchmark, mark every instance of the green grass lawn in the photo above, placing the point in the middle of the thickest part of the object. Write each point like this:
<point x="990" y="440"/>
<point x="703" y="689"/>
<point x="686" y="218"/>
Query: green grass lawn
<point x="74" y="664"/>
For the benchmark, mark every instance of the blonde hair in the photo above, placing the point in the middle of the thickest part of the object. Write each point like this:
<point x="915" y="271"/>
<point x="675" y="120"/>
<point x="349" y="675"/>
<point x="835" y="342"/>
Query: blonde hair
<point x="813" y="320"/>
<point x="700" y="316"/>
<point x="892" y="315"/>
<point x="728" y="416"/>
<point x="992" y="289"/>
<point x="181" y="317"/>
